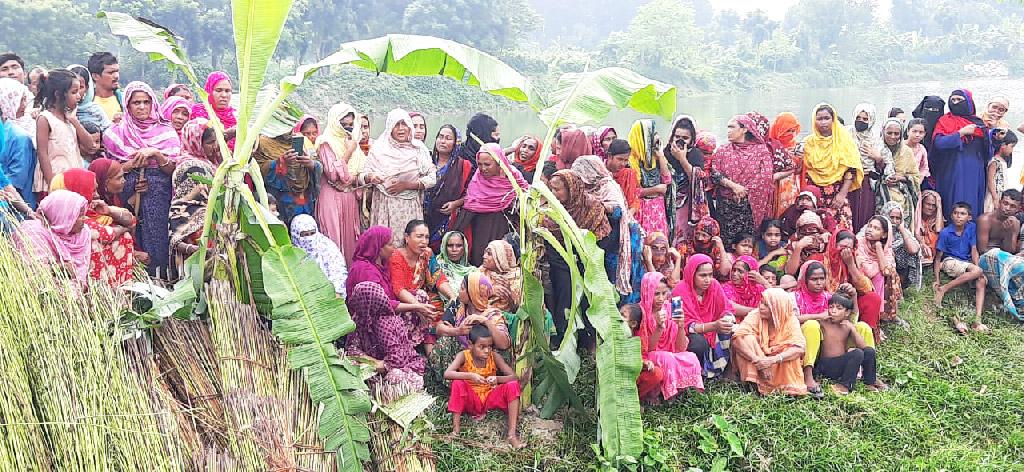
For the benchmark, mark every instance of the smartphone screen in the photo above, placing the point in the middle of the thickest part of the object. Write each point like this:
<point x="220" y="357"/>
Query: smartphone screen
<point x="298" y="144"/>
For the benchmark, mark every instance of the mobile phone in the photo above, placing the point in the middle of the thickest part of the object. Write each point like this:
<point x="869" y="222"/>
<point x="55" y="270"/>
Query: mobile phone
<point x="677" y="308"/>
<point x="681" y="143"/>
<point x="298" y="144"/>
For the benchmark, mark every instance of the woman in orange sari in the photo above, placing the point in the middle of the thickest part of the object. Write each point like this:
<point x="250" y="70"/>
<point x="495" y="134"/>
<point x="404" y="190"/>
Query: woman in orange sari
<point x="769" y="346"/>
<point x="782" y="136"/>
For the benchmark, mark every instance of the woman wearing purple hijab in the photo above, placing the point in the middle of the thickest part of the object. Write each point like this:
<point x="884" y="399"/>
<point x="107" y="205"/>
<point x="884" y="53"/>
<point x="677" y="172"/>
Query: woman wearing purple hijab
<point x="370" y="264"/>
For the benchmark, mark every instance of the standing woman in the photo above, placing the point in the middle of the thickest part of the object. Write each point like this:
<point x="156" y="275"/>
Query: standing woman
<point x="689" y="177"/>
<point x="527" y="155"/>
<point x="960" y="152"/>
<point x="337" y="211"/>
<point x="147" y="148"/>
<point x="176" y="111"/>
<point x="655" y="177"/>
<point x="574" y="143"/>
<point x="485" y="129"/>
<point x="831" y="162"/>
<point x="742" y="172"/>
<point x="200" y="157"/>
<point x="490" y="201"/>
<point x="218" y="90"/>
<point x="419" y="126"/>
<point x="442" y="202"/>
<point x="903" y="186"/>
<point x="783" y="133"/>
<point x="88" y="110"/>
<point x="601" y="140"/>
<point x="863" y="201"/>
<point x="400" y="170"/>
<point x="915" y="133"/>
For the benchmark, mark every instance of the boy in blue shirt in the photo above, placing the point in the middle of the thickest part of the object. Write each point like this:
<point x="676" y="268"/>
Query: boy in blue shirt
<point x="957" y="249"/>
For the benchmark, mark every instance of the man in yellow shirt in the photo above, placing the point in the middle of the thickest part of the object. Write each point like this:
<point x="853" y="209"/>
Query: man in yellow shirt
<point x="105" y="75"/>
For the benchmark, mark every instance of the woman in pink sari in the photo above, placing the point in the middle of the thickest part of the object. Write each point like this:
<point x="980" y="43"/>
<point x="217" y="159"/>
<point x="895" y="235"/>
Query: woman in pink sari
<point x="56" y="237"/>
<point x="709" y="315"/>
<point x="666" y="338"/>
<point x="876" y="260"/>
<point x="745" y="286"/>
<point x="490" y="200"/>
<point x="218" y="91"/>
<point x="337" y="209"/>
<point x="742" y="170"/>
<point x="176" y="111"/>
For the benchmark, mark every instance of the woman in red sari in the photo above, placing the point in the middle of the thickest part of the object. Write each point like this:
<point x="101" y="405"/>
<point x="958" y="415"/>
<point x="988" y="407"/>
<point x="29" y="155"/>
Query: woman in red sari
<point x="742" y="172"/>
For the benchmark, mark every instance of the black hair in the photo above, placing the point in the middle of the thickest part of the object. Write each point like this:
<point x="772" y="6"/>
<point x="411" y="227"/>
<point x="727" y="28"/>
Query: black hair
<point x="813" y="267"/>
<point x="53" y="88"/>
<point x="635" y="313"/>
<point x="767" y="268"/>
<point x="91" y="127"/>
<point x="455" y="134"/>
<point x="83" y="74"/>
<point x="1012" y="194"/>
<point x="619" y="146"/>
<point x="912" y="123"/>
<point x="1010" y="138"/>
<point x="512" y="238"/>
<point x="964" y="205"/>
<point x="768" y="224"/>
<point x="10" y="56"/>
<point x="208" y="132"/>
<point x="895" y="111"/>
<point x="742" y="236"/>
<point x="99" y="61"/>
<point x="841" y="300"/>
<point x="684" y="123"/>
<point x="480" y="125"/>
<point x="307" y="123"/>
<point x="549" y="169"/>
<point x="831" y="111"/>
<point x="841" y="120"/>
<point x="844" y="235"/>
<point x="411" y="226"/>
<point x="177" y="88"/>
<point x="478" y="331"/>
<point x="885" y="226"/>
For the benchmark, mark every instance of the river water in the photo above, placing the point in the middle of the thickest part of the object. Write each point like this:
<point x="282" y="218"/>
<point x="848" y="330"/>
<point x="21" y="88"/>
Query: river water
<point x="713" y="112"/>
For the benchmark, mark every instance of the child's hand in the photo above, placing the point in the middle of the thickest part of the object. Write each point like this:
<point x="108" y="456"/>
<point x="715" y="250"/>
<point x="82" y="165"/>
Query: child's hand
<point x="648" y="366"/>
<point x="477" y="378"/>
<point x="492" y="380"/>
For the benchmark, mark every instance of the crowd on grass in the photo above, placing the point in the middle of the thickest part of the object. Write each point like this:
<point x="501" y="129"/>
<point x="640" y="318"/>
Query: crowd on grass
<point x="772" y="253"/>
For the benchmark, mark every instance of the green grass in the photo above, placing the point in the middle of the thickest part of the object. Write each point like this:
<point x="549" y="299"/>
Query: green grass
<point x="956" y="404"/>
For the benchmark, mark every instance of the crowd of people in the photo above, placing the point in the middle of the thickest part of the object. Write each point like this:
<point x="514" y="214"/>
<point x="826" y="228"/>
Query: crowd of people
<point x="753" y="255"/>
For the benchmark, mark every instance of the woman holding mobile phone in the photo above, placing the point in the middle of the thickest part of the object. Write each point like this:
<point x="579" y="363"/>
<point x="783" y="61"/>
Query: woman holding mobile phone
<point x="663" y="337"/>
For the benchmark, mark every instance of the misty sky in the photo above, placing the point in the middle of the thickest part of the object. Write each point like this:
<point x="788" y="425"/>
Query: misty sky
<point x="776" y="9"/>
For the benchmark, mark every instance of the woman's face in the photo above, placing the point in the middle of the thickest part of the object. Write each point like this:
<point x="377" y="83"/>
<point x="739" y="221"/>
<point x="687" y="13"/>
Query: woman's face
<point x="845" y="243"/>
<point x="456" y="248"/>
<point x="179" y="117"/>
<point x="735" y="132"/>
<point x="772" y="237"/>
<point x="445" y="141"/>
<point x="527" y="148"/>
<point x="863" y="117"/>
<point x="764" y="311"/>
<point x="139" y="105"/>
<point x="310" y="130"/>
<point x="364" y="129"/>
<point x="770" y="277"/>
<point x="929" y="206"/>
<point x="559" y="188"/>
<point x="823" y="122"/>
<point x="401" y="132"/>
<point x="21" y="108"/>
<point x="683" y="134"/>
<point x="915" y="134"/>
<point x="80" y="222"/>
<point x="182" y="92"/>
<point x="702" y="236"/>
<point x="221" y="96"/>
<point x="115" y="182"/>
<point x="347" y="121"/>
<point x="419" y="128"/>
<point x="418" y="240"/>
<point x="487" y="166"/>
<point x="816" y="280"/>
<point x="659" y="250"/>
<point x="496" y="134"/>
<point x="997" y="109"/>
<point x="739" y="273"/>
<point x="873" y="231"/>
<point x="607" y="141"/>
<point x="661" y="294"/>
<point x="210" y="148"/>
<point x="896" y="216"/>
<point x="808" y="230"/>
<point x="892" y="134"/>
<point x="385" y="252"/>
<point x="744" y="247"/>
<point x="702" y="278"/>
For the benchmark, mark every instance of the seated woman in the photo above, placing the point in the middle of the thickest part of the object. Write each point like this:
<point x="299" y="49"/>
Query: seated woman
<point x="57" y="238"/>
<point x="745" y="286"/>
<point x="410" y="278"/>
<point x="110" y="183"/>
<point x="370" y="264"/>
<point x="709" y="315"/>
<point x="812" y="302"/>
<point x="769" y="346"/>
<point x="664" y="336"/>
<point x="905" y="248"/>
<point x="707" y="240"/>
<point x="384" y="335"/>
<point x="659" y="257"/>
<point x="876" y="261"/>
<point x="928" y="222"/>
<point x="451" y="262"/>
<point x="475" y="308"/>
<point x="623" y="267"/>
<point x="112" y="260"/>
<point x="306" y="236"/>
<point x="501" y="267"/>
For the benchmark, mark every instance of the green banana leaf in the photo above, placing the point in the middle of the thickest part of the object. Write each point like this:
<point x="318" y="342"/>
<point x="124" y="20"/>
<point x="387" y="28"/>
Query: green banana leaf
<point x="258" y="25"/>
<point x="158" y="43"/>
<point x="308" y="317"/>
<point x="588" y="97"/>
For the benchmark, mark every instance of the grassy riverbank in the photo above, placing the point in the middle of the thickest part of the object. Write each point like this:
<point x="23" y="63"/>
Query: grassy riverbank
<point x="956" y="403"/>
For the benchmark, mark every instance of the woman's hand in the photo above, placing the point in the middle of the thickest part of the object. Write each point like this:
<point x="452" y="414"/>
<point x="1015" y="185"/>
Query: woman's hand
<point x="674" y="256"/>
<point x="840" y="201"/>
<point x="473" y="319"/>
<point x="739" y="192"/>
<point x="723" y="326"/>
<point x="141" y="186"/>
<point x="451" y="207"/>
<point x="395" y="185"/>
<point x="968" y="130"/>
<point x="871" y="152"/>
<point x="766" y="362"/>
<point x="660" y="319"/>
<point x="305" y="161"/>
<point x="99" y="207"/>
<point x="846" y="254"/>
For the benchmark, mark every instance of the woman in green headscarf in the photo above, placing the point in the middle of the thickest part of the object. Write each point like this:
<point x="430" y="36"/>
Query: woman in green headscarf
<point x="452" y="260"/>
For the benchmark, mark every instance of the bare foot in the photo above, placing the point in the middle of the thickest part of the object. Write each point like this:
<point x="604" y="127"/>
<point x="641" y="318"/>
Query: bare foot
<point x="516" y="443"/>
<point x="959" y="326"/>
<point x="839" y="390"/>
<point x="939" y="293"/>
<point x="980" y="327"/>
<point x="878" y="386"/>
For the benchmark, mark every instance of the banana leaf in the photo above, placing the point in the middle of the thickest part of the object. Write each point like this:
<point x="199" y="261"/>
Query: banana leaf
<point x="588" y="97"/>
<point x="308" y="317"/>
<point x="158" y="43"/>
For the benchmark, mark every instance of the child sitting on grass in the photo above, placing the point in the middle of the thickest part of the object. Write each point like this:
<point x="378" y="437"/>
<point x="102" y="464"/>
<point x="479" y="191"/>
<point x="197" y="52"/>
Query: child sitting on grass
<point x="957" y="249"/>
<point x="476" y="387"/>
<point x="836" y="362"/>
<point x="648" y="384"/>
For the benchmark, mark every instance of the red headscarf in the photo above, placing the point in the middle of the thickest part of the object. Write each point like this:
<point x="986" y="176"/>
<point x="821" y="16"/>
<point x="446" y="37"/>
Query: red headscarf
<point x="365" y="267"/>
<point x="80" y="181"/>
<point x="530" y="163"/>
<point x="701" y="310"/>
<point x="952" y="123"/>
<point x="228" y="116"/>
<point x="748" y="292"/>
<point x="598" y="138"/>
<point x="104" y="170"/>
<point x="784" y="129"/>
<point x="574" y="144"/>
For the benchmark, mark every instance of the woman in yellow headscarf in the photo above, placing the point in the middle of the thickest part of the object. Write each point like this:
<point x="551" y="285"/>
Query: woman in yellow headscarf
<point x="647" y="159"/>
<point x="831" y="162"/>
